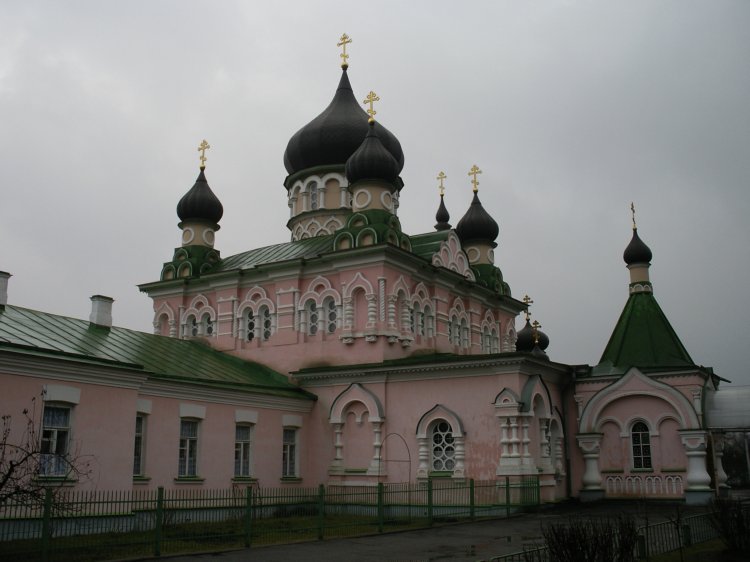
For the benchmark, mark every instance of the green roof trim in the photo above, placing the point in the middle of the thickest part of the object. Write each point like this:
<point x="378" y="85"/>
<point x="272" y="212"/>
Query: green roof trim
<point x="32" y="332"/>
<point x="301" y="249"/>
<point x="426" y="245"/>
<point x="643" y="338"/>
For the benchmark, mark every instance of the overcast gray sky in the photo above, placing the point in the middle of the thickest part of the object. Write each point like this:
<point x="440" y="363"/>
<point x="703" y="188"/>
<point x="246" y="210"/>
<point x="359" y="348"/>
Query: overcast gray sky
<point x="571" y="109"/>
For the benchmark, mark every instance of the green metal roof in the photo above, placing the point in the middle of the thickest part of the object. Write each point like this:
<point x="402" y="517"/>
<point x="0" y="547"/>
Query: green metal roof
<point x="39" y="333"/>
<point x="426" y="245"/>
<point x="643" y="338"/>
<point x="307" y="248"/>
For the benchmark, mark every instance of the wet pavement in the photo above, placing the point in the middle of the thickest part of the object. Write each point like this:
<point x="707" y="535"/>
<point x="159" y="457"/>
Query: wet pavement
<point x="463" y="542"/>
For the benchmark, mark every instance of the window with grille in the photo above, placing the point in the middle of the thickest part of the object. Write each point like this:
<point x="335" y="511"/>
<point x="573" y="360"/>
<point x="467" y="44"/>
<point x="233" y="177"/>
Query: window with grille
<point x="242" y="450"/>
<point x="312" y="189"/>
<point x="289" y="453"/>
<point x="188" y="458"/>
<point x="312" y="317"/>
<point x="140" y="427"/>
<point x="331" y="315"/>
<point x="443" y="448"/>
<point x="53" y="460"/>
<point x="249" y="325"/>
<point x="641" y="445"/>
<point x="207" y="324"/>
<point x="266" y="323"/>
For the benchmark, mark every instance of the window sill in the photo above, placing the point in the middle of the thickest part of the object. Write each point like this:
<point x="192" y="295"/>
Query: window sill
<point x="244" y="479"/>
<point x="291" y="479"/>
<point x="355" y="471"/>
<point x="613" y="471"/>
<point x="189" y="480"/>
<point x="141" y="479"/>
<point x="642" y="470"/>
<point x="441" y="474"/>
<point x="673" y="470"/>
<point x="50" y="481"/>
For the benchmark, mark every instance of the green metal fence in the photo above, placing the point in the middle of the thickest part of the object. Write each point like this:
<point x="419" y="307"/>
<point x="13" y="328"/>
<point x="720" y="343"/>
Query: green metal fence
<point x="96" y="525"/>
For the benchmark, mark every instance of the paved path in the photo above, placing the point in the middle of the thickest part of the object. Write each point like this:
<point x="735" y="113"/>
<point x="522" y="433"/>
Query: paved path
<point x="466" y="542"/>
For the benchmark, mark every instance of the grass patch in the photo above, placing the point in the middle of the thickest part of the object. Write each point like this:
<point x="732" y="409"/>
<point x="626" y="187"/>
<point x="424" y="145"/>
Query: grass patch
<point x="709" y="551"/>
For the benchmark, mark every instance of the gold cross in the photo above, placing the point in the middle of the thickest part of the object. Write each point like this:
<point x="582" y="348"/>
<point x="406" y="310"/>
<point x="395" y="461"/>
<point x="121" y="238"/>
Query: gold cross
<point x="202" y="149"/>
<point x="632" y="211"/>
<point x="441" y="176"/>
<point x="528" y="301"/>
<point x="371" y="98"/>
<point x="343" y="42"/>
<point x="536" y="325"/>
<point x="473" y="172"/>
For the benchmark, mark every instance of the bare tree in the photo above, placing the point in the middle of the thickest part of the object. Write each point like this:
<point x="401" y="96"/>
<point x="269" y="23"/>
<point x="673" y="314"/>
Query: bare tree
<point x="38" y="458"/>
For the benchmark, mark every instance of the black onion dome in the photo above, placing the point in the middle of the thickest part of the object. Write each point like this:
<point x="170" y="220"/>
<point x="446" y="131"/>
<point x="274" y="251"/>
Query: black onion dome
<point x="200" y="202"/>
<point x="442" y="216"/>
<point x="525" y="338"/>
<point x="637" y="251"/>
<point x="477" y="224"/>
<point x="372" y="161"/>
<point x="333" y="136"/>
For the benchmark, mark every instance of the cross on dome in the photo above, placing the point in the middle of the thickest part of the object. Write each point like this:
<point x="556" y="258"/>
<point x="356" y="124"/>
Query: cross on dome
<point x="371" y="98"/>
<point x="441" y="176"/>
<point x="473" y="172"/>
<point x="202" y="149"/>
<point x="343" y="42"/>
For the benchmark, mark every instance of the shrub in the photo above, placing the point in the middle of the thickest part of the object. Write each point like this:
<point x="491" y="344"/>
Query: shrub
<point x="731" y="518"/>
<point x="601" y="540"/>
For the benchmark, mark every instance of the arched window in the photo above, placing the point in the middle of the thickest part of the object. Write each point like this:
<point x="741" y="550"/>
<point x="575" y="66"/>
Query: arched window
<point x="429" y="322"/>
<point x="417" y="320"/>
<point x="249" y="325"/>
<point x="464" y="341"/>
<point x="494" y="342"/>
<point x="454" y="331"/>
<point x="312" y="317"/>
<point x="443" y="449"/>
<point x="641" y="445"/>
<point x="312" y="190"/>
<point x="266" y="322"/>
<point x="329" y="306"/>
<point x="207" y="325"/>
<point x="192" y="326"/>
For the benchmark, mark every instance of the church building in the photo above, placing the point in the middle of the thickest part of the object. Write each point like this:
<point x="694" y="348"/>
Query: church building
<point x="357" y="353"/>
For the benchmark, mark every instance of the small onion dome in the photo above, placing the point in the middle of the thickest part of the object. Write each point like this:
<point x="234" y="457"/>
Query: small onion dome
<point x="477" y="224"/>
<point x="372" y="161"/>
<point x="525" y="339"/>
<point x="442" y="216"/>
<point x="200" y="202"/>
<point x="637" y="251"/>
<point x="333" y="136"/>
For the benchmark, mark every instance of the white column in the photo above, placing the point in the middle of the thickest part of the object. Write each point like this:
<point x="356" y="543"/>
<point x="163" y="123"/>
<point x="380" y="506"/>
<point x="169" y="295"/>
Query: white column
<point x="504" y="437"/>
<point x="338" y="457"/>
<point x="721" y="475"/>
<point x="589" y="444"/>
<point x="376" y="464"/>
<point x="423" y="470"/>
<point x="694" y="442"/>
<point x="458" y="442"/>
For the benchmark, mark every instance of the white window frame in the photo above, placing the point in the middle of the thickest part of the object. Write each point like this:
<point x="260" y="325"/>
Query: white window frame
<point x="243" y="446"/>
<point x="290" y="453"/>
<point x="189" y="449"/>
<point x="637" y="446"/>
<point x="139" y="446"/>
<point x="444" y="451"/>
<point x="55" y="443"/>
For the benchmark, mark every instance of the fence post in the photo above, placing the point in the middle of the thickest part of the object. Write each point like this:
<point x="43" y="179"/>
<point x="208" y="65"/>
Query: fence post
<point x="687" y="539"/>
<point x="248" y="516"/>
<point x="321" y="510"/>
<point x="538" y="490"/>
<point x="380" y="507"/>
<point x="641" y="546"/>
<point x="46" y="524"/>
<point x="471" y="499"/>
<point x="159" y="520"/>
<point x="507" y="496"/>
<point x="429" y="502"/>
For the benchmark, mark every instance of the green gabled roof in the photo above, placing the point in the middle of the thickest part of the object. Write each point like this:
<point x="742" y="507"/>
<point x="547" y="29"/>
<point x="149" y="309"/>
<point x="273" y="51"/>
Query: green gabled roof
<point x="425" y="245"/>
<point x="42" y="334"/>
<point x="307" y="248"/>
<point x="643" y="338"/>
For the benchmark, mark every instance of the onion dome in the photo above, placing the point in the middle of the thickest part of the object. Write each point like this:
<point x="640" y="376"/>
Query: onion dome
<point x="372" y="161"/>
<point x="442" y="216"/>
<point x="525" y="339"/>
<point x="200" y="203"/>
<point x="637" y="251"/>
<point x="477" y="225"/>
<point x="334" y="135"/>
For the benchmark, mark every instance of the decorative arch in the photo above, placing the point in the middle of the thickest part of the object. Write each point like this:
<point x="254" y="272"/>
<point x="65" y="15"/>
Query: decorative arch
<point x="355" y="393"/>
<point x="164" y="310"/>
<point x="437" y="414"/>
<point x="635" y="383"/>
<point x="451" y="256"/>
<point x="358" y="282"/>
<point x="193" y="317"/>
<point x="509" y="339"/>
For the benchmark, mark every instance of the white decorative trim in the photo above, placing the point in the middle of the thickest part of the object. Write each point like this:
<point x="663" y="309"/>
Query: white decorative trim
<point x="61" y="393"/>
<point x="188" y="235"/>
<point x="356" y="199"/>
<point x="386" y="199"/>
<point x="208" y="233"/>
<point x="192" y="411"/>
<point x="143" y="406"/>
<point x="246" y="416"/>
<point x="451" y="256"/>
<point x="289" y="420"/>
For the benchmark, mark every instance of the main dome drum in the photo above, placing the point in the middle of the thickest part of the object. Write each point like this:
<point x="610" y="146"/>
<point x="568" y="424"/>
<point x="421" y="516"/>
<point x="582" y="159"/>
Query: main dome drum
<point x="334" y="135"/>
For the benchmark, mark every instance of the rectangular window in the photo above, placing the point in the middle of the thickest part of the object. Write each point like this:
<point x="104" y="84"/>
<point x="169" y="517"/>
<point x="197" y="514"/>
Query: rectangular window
<point x="289" y="455"/>
<point x="140" y="426"/>
<point x="188" y="465"/>
<point x="242" y="450"/>
<point x="55" y="437"/>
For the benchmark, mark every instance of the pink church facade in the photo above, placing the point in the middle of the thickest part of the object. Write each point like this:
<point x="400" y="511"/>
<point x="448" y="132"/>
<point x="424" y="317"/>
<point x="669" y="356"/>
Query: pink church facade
<point x="357" y="354"/>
